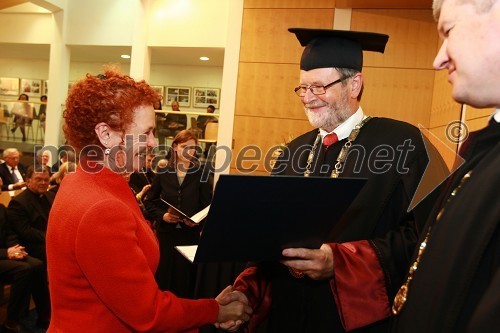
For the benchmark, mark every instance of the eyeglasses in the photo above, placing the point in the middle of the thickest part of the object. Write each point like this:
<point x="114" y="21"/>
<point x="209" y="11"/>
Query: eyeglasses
<point x="301" y="91"/>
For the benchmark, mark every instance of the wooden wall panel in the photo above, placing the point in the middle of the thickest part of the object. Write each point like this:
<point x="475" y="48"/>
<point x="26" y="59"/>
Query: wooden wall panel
<point x="265" y="36"/>
<point x="289" y="4"/>
<point x="444" y="109"/>
<point x="412" y="37"/>
<point x="383" y="4"/>
<point x="403" y="94"/>
<point x="266" y="90"/>
<point x="473" y="113"/>
<point x="265" y="133"/>
<point x="477" y="124"/>
<point x="441" y="141"/>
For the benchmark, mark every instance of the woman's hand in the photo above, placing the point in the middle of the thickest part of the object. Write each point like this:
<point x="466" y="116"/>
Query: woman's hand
<point x="141" y="194"/>
<point x="233" y="309"/>
<point x="171" y="218"/>
<point x="189" y="223"/>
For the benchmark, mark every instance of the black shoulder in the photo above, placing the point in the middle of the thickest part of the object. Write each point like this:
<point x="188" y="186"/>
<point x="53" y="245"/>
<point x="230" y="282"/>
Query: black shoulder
<point x="394" y="126"/>
<point x="393" y="131"/>
<point x="304" y="139"/>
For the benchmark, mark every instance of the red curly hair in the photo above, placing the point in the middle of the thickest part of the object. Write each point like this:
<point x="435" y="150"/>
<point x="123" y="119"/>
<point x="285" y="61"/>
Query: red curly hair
<point x="110" y="98"/>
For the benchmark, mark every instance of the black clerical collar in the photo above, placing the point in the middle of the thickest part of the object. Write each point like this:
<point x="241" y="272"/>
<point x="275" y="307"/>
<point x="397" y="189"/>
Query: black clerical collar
<point x="36" y="194"/>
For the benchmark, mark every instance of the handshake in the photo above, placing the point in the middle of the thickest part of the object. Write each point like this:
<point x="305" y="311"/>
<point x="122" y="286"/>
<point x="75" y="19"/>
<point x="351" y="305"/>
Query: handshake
<point x="233" y="309"/>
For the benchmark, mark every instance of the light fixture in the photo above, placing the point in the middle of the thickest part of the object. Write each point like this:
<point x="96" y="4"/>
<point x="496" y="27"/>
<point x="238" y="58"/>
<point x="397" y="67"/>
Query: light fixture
<point x="125" y="56"/>
<point x="204" y="58"/>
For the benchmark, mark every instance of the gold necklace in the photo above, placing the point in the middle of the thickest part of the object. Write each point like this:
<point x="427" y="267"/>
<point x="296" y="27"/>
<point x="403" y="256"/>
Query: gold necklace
<point x="402" y="294"/>
<point x="337" y="168"/>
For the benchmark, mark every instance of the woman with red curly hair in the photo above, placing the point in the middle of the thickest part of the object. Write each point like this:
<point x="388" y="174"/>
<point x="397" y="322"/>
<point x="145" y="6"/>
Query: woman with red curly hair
<point x="101" y="253"/>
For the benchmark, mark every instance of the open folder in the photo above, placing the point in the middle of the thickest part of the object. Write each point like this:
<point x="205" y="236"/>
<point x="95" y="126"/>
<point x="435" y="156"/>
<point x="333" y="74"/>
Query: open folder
<point x="196" y="218"/>
<point x="253" y="218"/>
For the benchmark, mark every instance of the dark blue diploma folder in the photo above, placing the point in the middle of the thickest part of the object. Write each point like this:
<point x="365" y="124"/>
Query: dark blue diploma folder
<point x="253" y="218"/>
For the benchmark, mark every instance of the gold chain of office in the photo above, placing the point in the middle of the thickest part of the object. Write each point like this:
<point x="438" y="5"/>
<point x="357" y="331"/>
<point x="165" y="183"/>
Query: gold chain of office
<point x="343" y="153"/>
<point x="401" y="296"/>
<point x="337" y="168"/>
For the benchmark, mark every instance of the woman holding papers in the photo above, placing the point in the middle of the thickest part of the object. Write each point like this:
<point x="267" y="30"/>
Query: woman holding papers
<point x="101" y="253"/>
<point x="183" y="185"/>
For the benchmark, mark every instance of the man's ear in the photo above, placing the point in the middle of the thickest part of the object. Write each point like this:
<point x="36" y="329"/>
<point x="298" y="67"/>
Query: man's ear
<point x="356" y="85"/>
<point x="103" y="133"/>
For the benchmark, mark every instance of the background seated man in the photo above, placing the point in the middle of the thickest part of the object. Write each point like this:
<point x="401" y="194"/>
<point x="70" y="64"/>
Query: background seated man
<point x="11" y="171"/>
<point x="204" y="120"/>
<point x="173" y="124"/>
<point x="25" y="274"/>
<point x="27" y="215"/>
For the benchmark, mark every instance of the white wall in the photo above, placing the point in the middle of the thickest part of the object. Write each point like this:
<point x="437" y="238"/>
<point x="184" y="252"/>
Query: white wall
<point x="26" y="28"/>
<point x="100" y="22"/>
<point x="22" y="68"/>
<point x="201" y="23"/>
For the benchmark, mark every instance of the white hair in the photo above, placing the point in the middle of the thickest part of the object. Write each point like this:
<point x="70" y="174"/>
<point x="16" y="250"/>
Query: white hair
<point x="9" y="151"/>
<point x="482" y="6"/>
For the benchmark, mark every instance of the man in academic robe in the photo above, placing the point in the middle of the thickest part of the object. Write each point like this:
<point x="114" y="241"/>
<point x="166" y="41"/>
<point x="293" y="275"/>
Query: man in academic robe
<point x="297" y="295"/>
<point x="453" y="277"/>
<point x="454" y="284"/>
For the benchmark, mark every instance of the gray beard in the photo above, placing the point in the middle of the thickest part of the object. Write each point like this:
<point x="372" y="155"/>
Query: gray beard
<point x="333" y="117"/>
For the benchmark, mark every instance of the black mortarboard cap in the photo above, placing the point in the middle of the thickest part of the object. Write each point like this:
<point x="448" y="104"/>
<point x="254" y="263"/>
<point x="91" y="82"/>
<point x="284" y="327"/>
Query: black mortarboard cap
<point x="327" y="48"/>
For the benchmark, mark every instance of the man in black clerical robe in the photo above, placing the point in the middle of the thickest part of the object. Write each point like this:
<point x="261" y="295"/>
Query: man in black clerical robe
<point x="299" y="294"/>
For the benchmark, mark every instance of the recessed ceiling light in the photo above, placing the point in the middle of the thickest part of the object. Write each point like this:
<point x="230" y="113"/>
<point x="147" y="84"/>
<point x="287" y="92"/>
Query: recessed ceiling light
<point x="204" y="58"/>
<point x="125" y="56"/>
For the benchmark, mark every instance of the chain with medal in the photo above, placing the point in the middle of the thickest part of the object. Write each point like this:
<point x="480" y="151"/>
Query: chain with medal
<point x="402" y="294"/>
<point x="341" y="158"/>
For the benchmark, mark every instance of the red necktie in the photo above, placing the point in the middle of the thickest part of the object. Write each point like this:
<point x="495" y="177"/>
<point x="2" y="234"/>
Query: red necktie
<point x="330" y="139"/>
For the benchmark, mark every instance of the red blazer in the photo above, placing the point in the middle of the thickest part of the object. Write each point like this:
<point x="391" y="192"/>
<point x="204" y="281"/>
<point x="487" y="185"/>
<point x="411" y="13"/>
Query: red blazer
<point x="102" y="256"/>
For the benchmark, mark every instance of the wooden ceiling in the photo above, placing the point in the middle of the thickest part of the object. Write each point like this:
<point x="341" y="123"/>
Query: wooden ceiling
<point x="10" y="3"/>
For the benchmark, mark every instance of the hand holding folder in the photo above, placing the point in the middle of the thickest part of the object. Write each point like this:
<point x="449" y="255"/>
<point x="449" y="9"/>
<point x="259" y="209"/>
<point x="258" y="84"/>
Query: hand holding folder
<point x="189" y="220"/>
<point x="253" y="218"/>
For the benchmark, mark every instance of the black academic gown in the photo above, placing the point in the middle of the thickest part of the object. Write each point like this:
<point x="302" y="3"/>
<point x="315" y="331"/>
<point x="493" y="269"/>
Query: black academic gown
<point x="458" y="272"/>
<point x="304" y="305"/>
<point x="174" y="272"/>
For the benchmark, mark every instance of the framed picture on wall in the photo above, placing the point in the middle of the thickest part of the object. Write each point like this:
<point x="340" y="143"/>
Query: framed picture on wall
<point x="160" y="90"/>
<point x="45" y="90"/>
<point x="9" y="86"/>
<point x="31" y="87"/>
<point x="203" y="97"/>
<point x="179" y="94"/>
